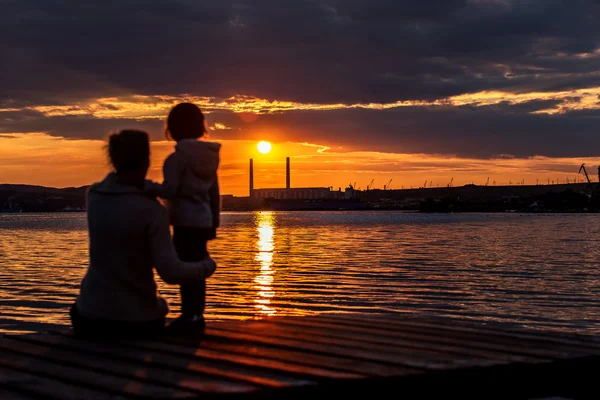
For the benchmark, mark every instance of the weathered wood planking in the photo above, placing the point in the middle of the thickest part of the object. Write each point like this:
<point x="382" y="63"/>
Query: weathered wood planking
<point x="294" y="357"/>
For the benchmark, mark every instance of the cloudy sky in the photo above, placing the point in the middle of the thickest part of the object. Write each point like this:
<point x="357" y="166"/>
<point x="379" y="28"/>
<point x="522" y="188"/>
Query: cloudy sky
<point x="409" y="90"/>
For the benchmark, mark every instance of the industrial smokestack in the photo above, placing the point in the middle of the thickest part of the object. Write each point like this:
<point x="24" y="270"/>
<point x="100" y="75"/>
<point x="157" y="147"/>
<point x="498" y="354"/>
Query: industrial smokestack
<point x="251" y="178"/>
<point x="287" y="172"/>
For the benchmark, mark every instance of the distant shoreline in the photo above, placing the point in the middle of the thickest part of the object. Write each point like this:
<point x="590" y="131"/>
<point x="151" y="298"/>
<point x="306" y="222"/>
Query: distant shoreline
<point x="562" y="198"/>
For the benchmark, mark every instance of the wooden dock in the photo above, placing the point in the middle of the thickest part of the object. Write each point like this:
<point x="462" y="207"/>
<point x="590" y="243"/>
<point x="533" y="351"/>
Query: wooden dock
<point x="348" y="355"/>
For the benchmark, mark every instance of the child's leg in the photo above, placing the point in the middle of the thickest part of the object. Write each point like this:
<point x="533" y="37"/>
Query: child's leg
<point x="193" y="299"/>
<point x="190" y="244"/>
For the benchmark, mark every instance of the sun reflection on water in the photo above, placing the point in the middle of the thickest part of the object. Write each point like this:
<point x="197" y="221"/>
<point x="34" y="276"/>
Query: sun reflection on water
<point x="265" y="226"/>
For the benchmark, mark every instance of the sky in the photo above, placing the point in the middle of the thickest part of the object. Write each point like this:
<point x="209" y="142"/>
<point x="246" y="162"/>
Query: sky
<point x="353" y="90"/>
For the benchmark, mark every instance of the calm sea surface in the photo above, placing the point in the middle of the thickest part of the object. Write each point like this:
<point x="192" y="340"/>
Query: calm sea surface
<point x="540" y="271"/>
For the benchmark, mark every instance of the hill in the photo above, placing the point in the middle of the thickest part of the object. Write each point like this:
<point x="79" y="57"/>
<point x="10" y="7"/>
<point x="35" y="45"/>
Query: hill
<point x="31" y="198"/>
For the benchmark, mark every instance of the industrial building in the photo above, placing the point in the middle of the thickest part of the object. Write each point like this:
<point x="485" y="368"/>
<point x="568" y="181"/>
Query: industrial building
<point x="297" y="193"/>
<point x="563" y="197"/>
<point x="289" y="193"/>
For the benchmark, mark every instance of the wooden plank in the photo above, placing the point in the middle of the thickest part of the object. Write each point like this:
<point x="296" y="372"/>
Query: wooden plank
<point x="89" y="379"/>
<point x="6" y="395"/>
<point x="145" y="372"/>
<point x="198" y="351"/>
<point x="397" y="345"/>
<point x="508" y="328"/>
<point x="496" y="333"/>
<point x="351" y="350"/>
<point x="299" y="357"/>
<point x="177" y="361"/>
<point x="465" y="344"/>
<point x="12" y="378"/>
<point x="500" y="329"/>
<point x="395" y="341"/>
<point x="32" y="385"/>
<point x="335" y="353"/>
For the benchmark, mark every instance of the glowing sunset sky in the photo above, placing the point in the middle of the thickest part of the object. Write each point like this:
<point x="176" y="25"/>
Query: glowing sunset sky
<point x="351" y="90"/>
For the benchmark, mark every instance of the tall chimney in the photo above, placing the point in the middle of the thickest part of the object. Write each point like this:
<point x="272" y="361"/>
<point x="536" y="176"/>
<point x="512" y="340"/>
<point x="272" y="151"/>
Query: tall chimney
<point x="287" y="172"/>
<point x="251" y="178"/>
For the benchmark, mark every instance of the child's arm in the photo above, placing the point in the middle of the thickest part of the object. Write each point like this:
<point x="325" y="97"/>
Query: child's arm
<point x="172" y="172"/>
<point x="168" y="265"/>
<point x="214" y="195"/>
<point x="215" y="204"/>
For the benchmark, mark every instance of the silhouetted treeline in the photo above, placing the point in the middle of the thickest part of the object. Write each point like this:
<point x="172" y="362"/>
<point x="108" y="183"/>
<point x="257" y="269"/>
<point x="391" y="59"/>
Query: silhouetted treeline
<point x="25" y="198"/>
<point x="565" y="201"/>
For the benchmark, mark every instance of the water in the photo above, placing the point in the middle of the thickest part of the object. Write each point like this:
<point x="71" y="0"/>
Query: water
<point x="539" y="271"/>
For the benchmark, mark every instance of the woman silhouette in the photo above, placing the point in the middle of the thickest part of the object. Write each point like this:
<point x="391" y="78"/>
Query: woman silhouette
<point x="129" y="237"/>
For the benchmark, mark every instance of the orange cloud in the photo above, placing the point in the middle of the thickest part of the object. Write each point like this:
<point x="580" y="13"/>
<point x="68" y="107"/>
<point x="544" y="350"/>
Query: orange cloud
<point x="578" y="99"/>
<point x="141" y="107"/>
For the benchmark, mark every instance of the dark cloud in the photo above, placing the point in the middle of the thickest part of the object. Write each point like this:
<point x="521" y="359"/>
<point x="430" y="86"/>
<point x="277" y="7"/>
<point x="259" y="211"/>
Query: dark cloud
<point x="501" y="130"/>
<point x="519" y="108"/>
<point x="486" y="132"/>
<point x="76" y="127"/>
<point x="324" y="51"/>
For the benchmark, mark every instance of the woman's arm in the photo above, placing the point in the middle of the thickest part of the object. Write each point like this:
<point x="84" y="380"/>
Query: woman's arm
<point x="215" y="203"/>
<point x="172" y="172"/>
<point x="170" y="268"/>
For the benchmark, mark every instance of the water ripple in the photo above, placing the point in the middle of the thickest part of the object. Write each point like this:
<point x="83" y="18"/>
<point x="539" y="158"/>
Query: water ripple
<point x="539" y="271"/>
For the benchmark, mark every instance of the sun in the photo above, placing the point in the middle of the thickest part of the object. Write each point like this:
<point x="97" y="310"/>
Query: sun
<point x="264" y="147"/>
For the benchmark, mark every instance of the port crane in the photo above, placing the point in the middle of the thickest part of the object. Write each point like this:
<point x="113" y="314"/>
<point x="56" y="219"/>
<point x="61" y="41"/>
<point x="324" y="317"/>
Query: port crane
<point x="451" y="182"/>
<point x="488" y="181"/>
<point x="582" y="168"/>
<point x="370" y="185"/>
<point x="387" y="185"/>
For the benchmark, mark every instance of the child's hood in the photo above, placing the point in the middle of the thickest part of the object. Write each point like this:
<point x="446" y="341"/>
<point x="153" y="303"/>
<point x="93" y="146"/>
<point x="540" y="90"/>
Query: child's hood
<point x="202" y="157"/>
